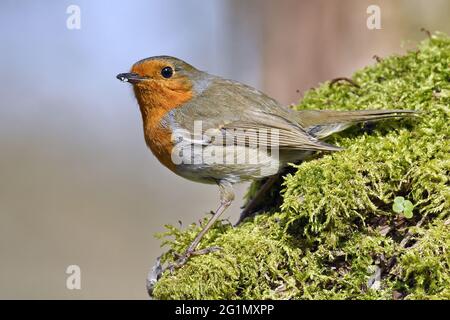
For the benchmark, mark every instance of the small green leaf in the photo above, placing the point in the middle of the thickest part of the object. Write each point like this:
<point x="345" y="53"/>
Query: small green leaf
<point x="408" y="210"/>
<point x="398" y="207"/>
<point x="408" y="214"/>
<point x="399" y="200"/>
<point x="408" y="205"/>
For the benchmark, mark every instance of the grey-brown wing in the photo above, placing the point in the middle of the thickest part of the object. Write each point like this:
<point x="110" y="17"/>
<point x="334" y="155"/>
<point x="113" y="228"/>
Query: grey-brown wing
<point x="273" y="132"/>
<point x="242" y="113"/>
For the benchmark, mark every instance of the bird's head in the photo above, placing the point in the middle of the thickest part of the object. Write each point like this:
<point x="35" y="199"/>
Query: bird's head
<point x="162" y="81"/>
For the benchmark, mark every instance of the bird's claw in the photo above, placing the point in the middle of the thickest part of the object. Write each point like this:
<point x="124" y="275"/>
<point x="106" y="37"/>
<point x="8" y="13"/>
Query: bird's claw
<point x="182" y="259"/>
<point x="206" y="250"/>
<point x="156" y="272"/>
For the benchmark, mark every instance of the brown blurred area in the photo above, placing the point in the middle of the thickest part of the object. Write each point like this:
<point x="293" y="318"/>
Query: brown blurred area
<point x="304" y="43"/>
<point x="77" y="184"/>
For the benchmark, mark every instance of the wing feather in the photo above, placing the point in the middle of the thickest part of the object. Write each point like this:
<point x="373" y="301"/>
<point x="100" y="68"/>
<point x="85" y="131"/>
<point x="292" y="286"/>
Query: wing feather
<point x="240" y="113"/>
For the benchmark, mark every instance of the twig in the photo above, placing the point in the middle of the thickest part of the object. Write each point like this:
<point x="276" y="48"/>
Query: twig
<point x="409" y="233"/>
<point x="426" y="31"/>
<point x="153" y="276"/>
<point x="377" y="58"/>
<point x="336" y="80"/>
<point x="403" y="243"/>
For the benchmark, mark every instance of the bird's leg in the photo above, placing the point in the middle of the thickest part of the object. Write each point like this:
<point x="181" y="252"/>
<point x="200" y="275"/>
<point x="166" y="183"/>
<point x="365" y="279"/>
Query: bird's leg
<point x="226" y="197"/>
<point x="258" y="198"/>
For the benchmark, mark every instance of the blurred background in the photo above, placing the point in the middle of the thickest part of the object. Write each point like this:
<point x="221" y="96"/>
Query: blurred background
<point x="77" y="183"/>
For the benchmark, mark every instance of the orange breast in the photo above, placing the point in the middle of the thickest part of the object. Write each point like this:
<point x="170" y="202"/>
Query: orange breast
<point x="154" y="107"/>
<point x="159" y="139"/>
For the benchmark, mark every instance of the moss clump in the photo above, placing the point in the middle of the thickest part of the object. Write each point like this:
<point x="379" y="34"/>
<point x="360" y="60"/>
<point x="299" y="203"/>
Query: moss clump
<point x="336" y="229"/>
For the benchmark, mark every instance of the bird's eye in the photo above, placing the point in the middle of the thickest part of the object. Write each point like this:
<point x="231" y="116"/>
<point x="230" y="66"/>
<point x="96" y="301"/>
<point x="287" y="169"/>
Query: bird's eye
<point x="167" y="72"/>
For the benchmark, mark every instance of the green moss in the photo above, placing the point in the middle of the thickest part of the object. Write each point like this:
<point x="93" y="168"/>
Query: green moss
<point x="336" y="224"/>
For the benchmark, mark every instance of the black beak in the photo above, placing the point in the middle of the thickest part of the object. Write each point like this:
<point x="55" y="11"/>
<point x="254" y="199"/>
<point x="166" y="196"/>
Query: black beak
<point x="129" y="77"/>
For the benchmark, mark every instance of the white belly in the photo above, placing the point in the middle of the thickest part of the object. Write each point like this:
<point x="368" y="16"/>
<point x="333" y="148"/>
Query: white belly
<point x="233" y="163"/>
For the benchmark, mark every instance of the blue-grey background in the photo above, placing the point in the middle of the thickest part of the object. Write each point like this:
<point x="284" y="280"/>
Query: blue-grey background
<point x="77" y="184"/>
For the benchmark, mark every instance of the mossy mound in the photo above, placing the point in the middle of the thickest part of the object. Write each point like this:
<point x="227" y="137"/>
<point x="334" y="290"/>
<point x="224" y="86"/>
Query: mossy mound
<point x="335" y="235"/>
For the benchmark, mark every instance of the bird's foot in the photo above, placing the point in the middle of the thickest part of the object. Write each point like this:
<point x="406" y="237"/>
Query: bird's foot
<point x="157" y="270"/>
<point x="182" y="259"/>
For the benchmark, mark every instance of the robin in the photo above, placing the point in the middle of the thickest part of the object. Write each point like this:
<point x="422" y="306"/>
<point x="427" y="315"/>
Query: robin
<point x="212" y="130"/>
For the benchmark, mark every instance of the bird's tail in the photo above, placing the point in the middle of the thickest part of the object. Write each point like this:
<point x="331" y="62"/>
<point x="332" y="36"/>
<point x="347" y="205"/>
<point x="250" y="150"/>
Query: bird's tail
<point x="322" y="123"/>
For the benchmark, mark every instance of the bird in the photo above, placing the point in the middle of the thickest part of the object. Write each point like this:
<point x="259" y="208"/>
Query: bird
<point x="212" y="130"/>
